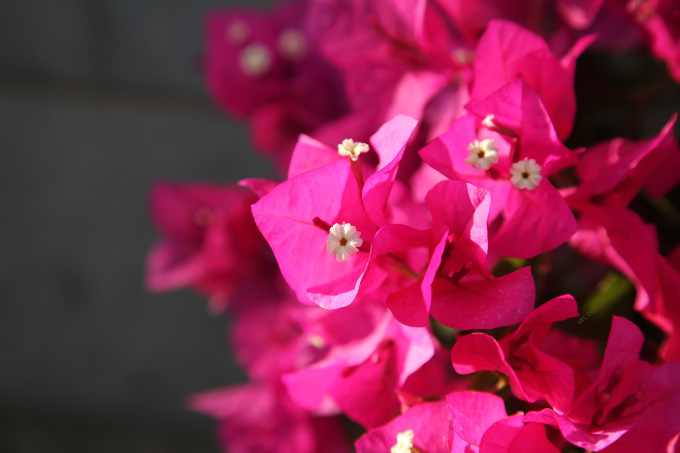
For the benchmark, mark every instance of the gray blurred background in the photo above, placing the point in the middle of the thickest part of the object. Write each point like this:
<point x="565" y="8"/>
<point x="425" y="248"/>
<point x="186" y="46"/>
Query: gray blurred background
<point x="97" y="99"/>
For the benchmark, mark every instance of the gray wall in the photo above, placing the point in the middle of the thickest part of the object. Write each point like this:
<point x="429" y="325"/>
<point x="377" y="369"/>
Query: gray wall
<point x="98" y="99"/>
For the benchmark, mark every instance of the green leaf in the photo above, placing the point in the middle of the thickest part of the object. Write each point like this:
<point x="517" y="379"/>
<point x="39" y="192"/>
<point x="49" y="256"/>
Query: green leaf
<point x="609" y="291"/>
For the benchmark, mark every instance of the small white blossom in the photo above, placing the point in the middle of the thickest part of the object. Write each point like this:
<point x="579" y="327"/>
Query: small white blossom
<point x="316" y="340"/>
<point x="489" y="121"/>
<point x="255" y="59"/>
<point x="352" y="150"/>
<point x="404" y="442"/>
<point x="343" y="241"/>
<point x="462" y="56"/>
<point x="526" y="174"/>
<point x="292" y="44"/>
<point x="238" y="32"/>
<point x="482" y="154"/>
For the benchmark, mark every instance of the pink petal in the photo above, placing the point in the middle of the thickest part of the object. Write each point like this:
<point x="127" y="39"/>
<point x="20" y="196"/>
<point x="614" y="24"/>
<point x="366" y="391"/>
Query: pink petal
<point x="473" y="413"/>
<point x="518" y="107"/>
<point x="511" y="435"/>
<point x="447" y="153"/>
<point x="413" y="93"/>
<point x="168" y="268"/>
<point x="520" y="54"/>
<point x="389" y="142"/>
<point x="623" y="348"/>
<point x="579" y="14"/>
<point x="483" y="304"/>
<point x="411" y="306"/>
<point x="536" y="221"/>
<point x="477" y="352"/>
<point x="260" y="187"/>
<point x="481" y="352"/>
<point x="174" y="205"/>
<point x="310" y="154"/>
<point x="463" y="210"/>
<point x="624" y="163"/>
<point x="540" y="320"/>
<point x="430" y="423"/>
<point x="547" y="378"/>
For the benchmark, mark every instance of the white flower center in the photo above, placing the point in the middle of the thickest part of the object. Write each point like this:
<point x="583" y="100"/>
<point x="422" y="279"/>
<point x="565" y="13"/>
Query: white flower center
<point x="404" y="442"/>
<point x="238" y="32"/>
<point x="489" y="121"/>
<point x="352" y="150"/>
<point x="462" y="56"/>
<point x="255" y="59"/>
<point x="526" y="174"/>
<point x="292" y="44"/>
<point x="482" y="154"/>
<point x="316" y="340"/>
<point x="343" y="241"/>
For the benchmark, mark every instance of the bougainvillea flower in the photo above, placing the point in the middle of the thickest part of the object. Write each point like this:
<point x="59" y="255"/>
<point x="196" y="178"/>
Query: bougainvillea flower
<point x="536" y="218"/>
<point x="616" y="170"/>
<point x="286" y="216"/>
<point x="396" y="57"/>
<point x="261" y="418"/>
<point x="611" y="174"/>
<point x="579" y="14"/>
<point x="659" y="18"/>
<point x="464" y="294"/>
<point x="519" y="113"/>
<point x="424" y="427"/>
<point x="282" y="336"/>
<point x="208" y="240"/>
<point x="532" y="373"/>
<point x="524" y="55"/>
<point x="628" y="400"/>
<point x="301" y="211"/>
<point x="373" y="44"/>
<point x="619" y="237"/>
<point x="361" y="378"/>
<point x="354" y="35"/>
<point x="264" y="66"/>
<point x="448" y="154"/>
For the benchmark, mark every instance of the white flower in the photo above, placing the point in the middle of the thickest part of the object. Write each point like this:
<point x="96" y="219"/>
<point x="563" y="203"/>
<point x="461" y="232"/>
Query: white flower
<point x="489" y="121"/>
<point x="462" y="56"/>
<point x="482" y="154"/>
<point x="352" y="150"/>
<point x="255" y="59"/>
<point x="292" y="44"/>
<point x="316" y="340"/>
<point x="343" y="241"/>
<point x="526" y="174"/>
<point x="404" y="442"/>
<point x="238" y="32"/>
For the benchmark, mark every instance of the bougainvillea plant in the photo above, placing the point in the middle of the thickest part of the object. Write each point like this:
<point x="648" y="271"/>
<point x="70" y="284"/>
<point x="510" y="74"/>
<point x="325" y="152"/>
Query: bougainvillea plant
<point x="459" y="254"/>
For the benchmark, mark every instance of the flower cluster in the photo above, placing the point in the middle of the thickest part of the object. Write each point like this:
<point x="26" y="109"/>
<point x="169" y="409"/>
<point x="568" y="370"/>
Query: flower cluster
<point x="397" y="274"/>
